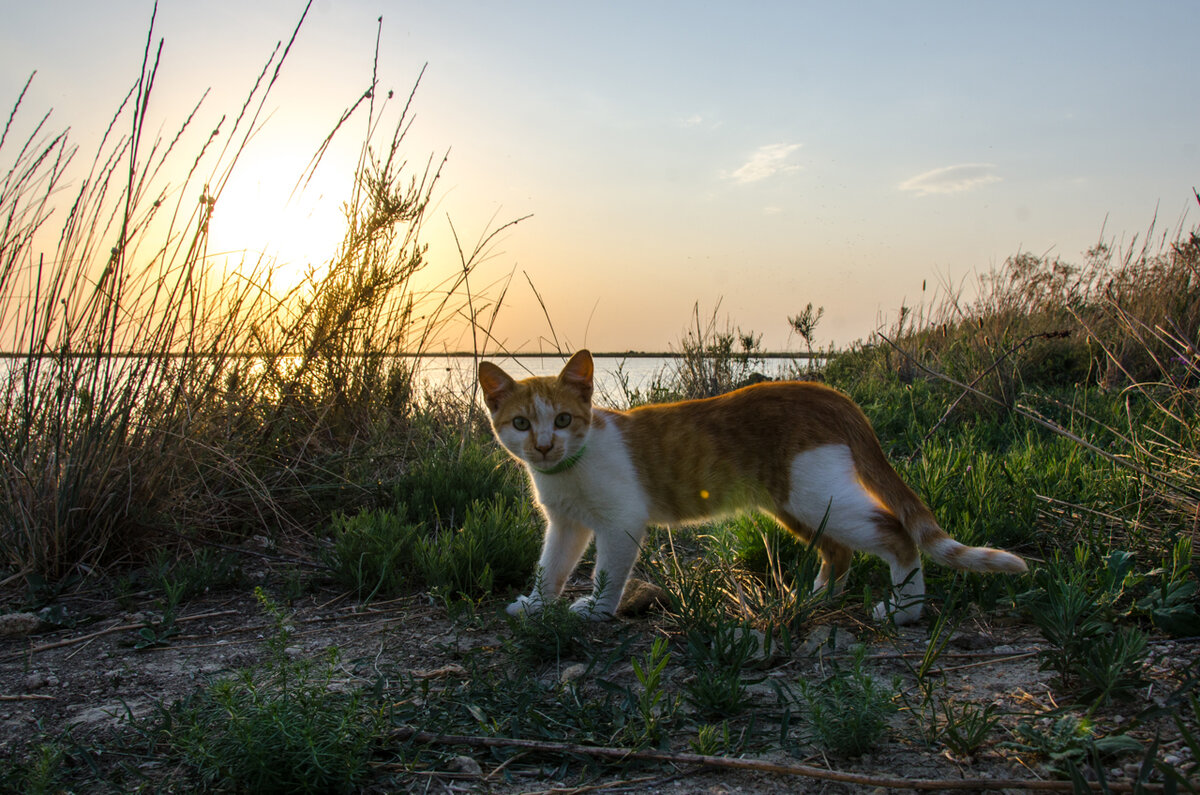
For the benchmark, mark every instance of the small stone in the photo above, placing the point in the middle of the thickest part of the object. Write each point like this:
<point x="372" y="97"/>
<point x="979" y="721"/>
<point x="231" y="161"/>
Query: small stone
<point x="827" y="638"/>
<point x="641" y="597"/>
<point x="19" y="623"/>
<point x="572" y="673"/>
<point x="467" y="765"/>
<point x="35" y="681"/>
<point x="1005" y="649"/>
<point x="970" y="641"/>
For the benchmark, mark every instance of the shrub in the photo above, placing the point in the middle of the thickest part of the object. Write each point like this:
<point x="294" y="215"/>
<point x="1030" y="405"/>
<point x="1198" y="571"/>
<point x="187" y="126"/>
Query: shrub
<point x="849" y="708"/>
<point x="283" y="727"/>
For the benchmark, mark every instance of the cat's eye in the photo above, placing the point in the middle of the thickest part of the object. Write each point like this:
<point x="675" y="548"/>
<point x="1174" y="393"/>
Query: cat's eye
<point x="521" y="423"/>
<point x="562" y="420"/>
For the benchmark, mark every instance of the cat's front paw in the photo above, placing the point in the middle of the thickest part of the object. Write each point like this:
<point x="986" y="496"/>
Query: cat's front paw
<point x="591" y="609"/>
<point x="525" y="605"/>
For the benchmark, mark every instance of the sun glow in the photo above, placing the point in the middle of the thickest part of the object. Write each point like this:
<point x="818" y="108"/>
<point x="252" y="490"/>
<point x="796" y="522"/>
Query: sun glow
<point x="277" y="235"/>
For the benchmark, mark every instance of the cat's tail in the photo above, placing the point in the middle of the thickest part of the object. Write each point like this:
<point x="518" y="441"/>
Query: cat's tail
<point x="923" y="528"/>
<point x="937" y="544"/>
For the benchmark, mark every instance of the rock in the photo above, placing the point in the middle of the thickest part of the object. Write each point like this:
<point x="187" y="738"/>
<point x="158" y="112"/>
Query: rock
<point x="19" y="623"/>
<point x="641" y="597"/>
<point x="827" y="638"/>
<point x="971" y="641"/>
<point x="572" y="673"/>
<point x="35" y="681"/>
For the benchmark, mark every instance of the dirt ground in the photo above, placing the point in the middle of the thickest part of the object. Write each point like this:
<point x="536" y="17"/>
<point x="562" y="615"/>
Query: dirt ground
<point x="86" y="674"/>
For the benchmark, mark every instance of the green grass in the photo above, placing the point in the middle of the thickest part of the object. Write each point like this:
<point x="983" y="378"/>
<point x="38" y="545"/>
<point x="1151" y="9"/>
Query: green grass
<point x="281" y="727"/>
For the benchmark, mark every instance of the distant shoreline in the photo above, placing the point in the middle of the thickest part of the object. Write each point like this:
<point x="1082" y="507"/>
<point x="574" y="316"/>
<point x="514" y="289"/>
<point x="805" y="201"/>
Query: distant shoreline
<point x="445" y="355"/>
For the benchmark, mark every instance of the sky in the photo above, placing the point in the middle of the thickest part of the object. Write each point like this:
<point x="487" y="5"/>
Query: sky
<point x="745" y="159"/>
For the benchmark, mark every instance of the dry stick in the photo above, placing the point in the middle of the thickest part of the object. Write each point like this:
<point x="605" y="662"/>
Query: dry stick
<point x="757" y="765"/>
<point x="58" y="644"/>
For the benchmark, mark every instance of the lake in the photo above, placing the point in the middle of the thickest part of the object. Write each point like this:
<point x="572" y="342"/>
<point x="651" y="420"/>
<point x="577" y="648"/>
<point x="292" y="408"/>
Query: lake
<point x="613" y="371"/>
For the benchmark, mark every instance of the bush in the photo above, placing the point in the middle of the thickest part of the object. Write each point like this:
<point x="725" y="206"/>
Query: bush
<point x="461" y="524"/>
<point x="279" y="728"/>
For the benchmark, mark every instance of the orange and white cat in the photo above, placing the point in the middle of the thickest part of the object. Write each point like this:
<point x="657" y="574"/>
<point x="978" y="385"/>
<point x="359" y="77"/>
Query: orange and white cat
<point x="799" y="451"/>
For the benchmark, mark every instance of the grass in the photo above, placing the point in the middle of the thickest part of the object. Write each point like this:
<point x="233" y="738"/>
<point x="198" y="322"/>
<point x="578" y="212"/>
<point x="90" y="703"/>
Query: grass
<point x="154" y="407"/>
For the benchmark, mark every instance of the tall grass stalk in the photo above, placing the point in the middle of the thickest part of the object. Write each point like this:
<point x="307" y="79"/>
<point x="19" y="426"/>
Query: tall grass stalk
<point x="148" y="389"/>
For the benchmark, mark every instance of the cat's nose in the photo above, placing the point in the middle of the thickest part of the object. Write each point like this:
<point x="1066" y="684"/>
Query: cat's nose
<point x="543" y="449"/>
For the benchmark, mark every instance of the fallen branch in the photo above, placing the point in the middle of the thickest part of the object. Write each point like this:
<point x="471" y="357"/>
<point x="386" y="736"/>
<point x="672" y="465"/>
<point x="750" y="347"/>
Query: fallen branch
<point x="758" y="765"/>
<point x="58" y="644"/>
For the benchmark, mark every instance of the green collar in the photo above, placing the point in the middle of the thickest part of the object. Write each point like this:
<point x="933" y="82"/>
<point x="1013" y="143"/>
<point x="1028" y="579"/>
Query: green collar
<point x="565" y="464"/>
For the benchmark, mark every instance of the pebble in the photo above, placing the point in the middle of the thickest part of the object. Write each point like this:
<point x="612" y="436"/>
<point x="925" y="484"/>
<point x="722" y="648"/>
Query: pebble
<point x="18" y="623"/>
<point x="572" y="673"/>
<point x="827" y="638"/>
<point x="641" y="597"/>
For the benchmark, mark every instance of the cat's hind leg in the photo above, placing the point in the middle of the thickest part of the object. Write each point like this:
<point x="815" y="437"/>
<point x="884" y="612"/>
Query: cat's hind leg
<point x="824" y="491"/>
<point x="564" y="545"/>
<point x="907" y="596"/>
<point x="835" y="556"/>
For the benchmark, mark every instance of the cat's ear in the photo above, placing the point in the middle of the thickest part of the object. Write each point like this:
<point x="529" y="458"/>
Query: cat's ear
<point x="496" y="384"/>
<point x="577" y="374"/>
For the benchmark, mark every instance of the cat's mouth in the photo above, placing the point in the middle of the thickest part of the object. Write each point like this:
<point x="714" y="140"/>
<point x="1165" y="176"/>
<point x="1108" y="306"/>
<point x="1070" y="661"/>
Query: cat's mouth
<point x="549" y="457"/>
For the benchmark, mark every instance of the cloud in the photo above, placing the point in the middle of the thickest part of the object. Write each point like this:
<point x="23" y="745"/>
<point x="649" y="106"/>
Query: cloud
<point x="766" y="161"/>
<point x="952" y="179"/>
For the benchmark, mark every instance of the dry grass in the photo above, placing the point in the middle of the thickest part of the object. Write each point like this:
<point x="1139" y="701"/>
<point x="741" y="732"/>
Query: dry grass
<point x="149" y="393"/>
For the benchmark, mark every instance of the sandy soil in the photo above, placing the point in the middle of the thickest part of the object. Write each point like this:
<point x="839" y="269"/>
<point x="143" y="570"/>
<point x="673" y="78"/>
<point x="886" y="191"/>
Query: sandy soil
<point x="89" y="677"/>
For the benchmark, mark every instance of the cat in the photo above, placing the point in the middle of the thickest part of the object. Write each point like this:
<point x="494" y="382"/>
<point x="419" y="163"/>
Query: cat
<point x="801" y="452"/>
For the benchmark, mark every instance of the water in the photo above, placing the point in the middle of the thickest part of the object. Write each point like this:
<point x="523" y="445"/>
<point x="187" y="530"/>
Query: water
<point x="456" y="373"/>
<point x="613" y="372"/>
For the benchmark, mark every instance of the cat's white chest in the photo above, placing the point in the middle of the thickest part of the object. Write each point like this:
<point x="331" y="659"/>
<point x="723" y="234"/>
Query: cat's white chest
<point x="602" y="490"/>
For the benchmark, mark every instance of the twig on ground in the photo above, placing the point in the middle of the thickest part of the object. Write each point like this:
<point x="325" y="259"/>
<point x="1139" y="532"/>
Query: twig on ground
<point x="58" y="644"/>
<point x="757" y="765"/>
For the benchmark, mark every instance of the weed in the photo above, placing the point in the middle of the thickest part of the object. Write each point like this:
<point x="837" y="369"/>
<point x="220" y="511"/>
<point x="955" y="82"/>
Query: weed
<point x="849" y="709"/>
<point x="550" y="635"/>
<point x="40" y="772"/>
<point x="286" y="727"/>
<point x="716" y="691"/>
<point x="713" y="739"/>
<point x="1066" y="741"/>
<point x="461" y="526"/>
<point x="967" y="726"/>
<point x="655" y="710"/>
<point x="1074" y="610"/>
<point x="1172" y="604"/>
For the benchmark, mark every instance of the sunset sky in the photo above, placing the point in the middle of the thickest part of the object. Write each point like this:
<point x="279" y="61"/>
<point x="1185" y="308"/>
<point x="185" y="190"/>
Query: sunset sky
<point x="757" y="155"/>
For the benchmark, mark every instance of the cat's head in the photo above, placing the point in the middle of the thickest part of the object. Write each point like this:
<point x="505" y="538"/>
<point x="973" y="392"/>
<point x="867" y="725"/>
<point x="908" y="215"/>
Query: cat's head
<point x="545" y="420"/>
